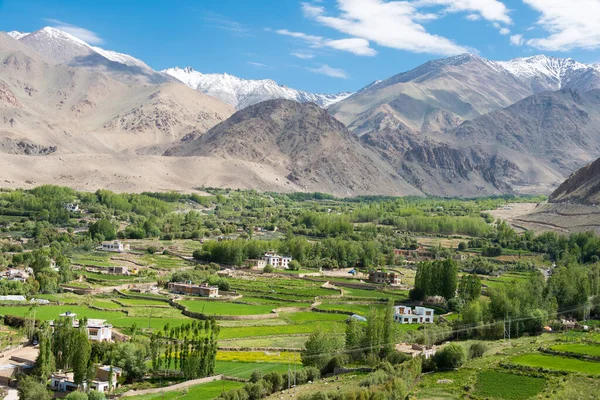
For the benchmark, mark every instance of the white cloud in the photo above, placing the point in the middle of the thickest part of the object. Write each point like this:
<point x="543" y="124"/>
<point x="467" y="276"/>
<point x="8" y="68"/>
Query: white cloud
<point x="570" y="25"/>
<point x="490" y="10"/>
<point x="303" y="56"/>
<point x="81" y="33"/>
<point x="390" y="24"/>
<point x="398" y="24"/>
<point x="504" y="31"/>
<point x="257" y="64"/>
<point x="357" y="46"/>
<point x="517" y="40"/>
<point x="329" y="71"/>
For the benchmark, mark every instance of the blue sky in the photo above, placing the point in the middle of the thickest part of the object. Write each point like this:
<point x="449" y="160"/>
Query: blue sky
<point x="318" y="45"/>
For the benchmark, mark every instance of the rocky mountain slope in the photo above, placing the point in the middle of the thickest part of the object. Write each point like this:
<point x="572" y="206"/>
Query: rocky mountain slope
<point x="241" y="93"/>
<point x="582" y="187"/>
<point x="313" y="150"/>
<point x="547" y="136"/>
<point x="439" y="95"/>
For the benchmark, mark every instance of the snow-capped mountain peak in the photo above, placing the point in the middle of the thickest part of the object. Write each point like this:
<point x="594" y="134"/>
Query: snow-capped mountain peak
<point x="549" y="73"/>
<point x="16" y="34"/>
<point x="242" y="93"/>
<point x="65" y="48"/>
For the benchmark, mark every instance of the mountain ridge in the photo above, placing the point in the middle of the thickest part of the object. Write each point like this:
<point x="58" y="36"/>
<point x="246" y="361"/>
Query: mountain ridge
<point x="241" y="93"/>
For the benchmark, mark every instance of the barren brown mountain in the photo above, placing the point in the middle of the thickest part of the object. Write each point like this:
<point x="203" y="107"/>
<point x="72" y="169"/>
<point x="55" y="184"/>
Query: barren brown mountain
<point x="302" y="141"/>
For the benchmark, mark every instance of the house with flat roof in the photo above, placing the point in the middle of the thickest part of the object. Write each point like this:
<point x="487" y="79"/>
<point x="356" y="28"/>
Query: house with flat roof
<point x="276" y="260"/>
<point x="98" y="330"/>
<point x="103" y="382"/>
<point x="115" y="245"/>
<point x="388" y="278"/>
<point x="418" y="315"/>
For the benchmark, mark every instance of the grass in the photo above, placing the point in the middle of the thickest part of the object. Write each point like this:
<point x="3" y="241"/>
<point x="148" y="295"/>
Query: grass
<point x="116" y="318"/>
<point x="259" y="356"/>
<point x="142" y="302"/>
<point x="225" y="308"/>
<point x="503" y="385"/>
<point x="301" y="317"/>
<point x="245" y="369"/>
<point x="257" y="331"/>
<point x="555" y="363"/>
<point x="289" y="342"/>
<point x="586" y="349"/>
<point x="361" y="309"/>
<point x="205" y="391"/>
<point x="95" y="259"/>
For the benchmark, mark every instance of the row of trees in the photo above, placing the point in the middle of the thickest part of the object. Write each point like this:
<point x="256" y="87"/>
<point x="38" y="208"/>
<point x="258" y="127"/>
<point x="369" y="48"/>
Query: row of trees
<point x="435" y="278"/>
<point x="189" y="350"/>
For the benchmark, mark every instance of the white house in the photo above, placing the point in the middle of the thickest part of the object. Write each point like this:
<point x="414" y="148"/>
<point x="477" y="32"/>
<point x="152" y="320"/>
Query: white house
<point x="276" y="260"/>
<point x="116" y="246"/>
<point x="73" y="207"/>
<point x="97" y="329"/>
<point x="64" y="382"/>
<point x="420" y="315"/>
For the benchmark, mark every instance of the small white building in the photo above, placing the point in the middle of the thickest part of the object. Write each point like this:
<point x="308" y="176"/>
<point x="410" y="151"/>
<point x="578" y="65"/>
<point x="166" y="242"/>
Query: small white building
<point x="98" y="330"/>
<point x="276" y="260"/>
<point x="64" y="382"/>
<point x="72" y="207"/>
<point x="115" y="246"/>
<point x="418" y="315"/>
<point x="53" y="265"/>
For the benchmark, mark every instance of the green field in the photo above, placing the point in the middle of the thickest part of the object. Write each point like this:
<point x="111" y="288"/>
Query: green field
<point x="245" y="369"/>
<point x="117" y="318"/>
<point x="577" y="348"/>
<point x="205" y="391"/>
<point x="503" y="385"/>
<point x="256" y="331"/>
<point x="361" y="309"/>
<point x="287" y="342"/>
<point x="225" y="308"/>
<point x="555" y="363"/>
<point x="142" y="302"/>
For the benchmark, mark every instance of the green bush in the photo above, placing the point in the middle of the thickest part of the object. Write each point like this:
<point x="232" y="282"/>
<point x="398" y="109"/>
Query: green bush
<point x="450" y="357"/>
<point x="269" y="268"/>
<point x="476" y="350"/>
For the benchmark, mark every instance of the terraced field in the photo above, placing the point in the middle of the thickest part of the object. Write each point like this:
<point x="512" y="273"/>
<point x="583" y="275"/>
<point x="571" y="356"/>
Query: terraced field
<point x="502" y="385"/>
<point x="556" y="363"/>
<point x="225" y="308"/>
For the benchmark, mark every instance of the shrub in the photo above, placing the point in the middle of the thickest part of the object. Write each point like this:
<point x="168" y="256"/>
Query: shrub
<point x="450" y="357"/>
<point x="76" y="396"/>
<point x="312" y="374"/>
<point x="294" y="265"/>
<point x="269" y="268"/>
<point x="256" y="376"/>
<point x="462" y="246"/>
<point x="395" y="357"/>
<point x="477" y="350"/>
<point x="275" y="380"/>
<point x="376" y="378"/>
<point x="94" y="395"/>
<point x="151" y="249"/>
